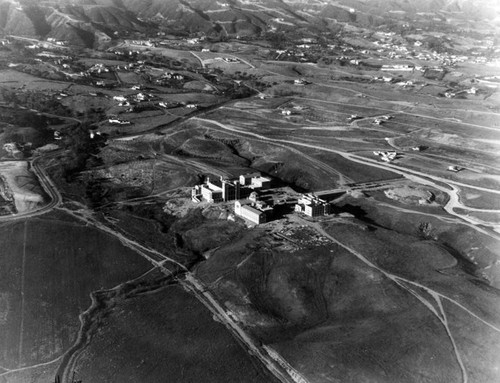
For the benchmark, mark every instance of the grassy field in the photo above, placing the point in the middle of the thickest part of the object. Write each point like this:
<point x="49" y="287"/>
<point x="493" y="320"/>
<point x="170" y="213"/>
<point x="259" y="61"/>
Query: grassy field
<point x="48" y="268"/>
<point x="482" y="200"/>
<point x="166" y="334"/>
<point x="179" y="58"/>
<point x="476" y="253"/>
<point x="14" y="79"/>
<point x="329" y="314"/>
<point x="139" y="123"/>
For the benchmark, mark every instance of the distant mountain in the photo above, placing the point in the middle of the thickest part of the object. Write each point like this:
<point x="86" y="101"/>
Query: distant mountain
<point x="90" y="22"/>
<point x="81" y="24"/>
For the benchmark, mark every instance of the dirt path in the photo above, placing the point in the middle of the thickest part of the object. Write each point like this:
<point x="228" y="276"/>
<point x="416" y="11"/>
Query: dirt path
<point x="403" y="282"/>
<point x="202" y="293"/>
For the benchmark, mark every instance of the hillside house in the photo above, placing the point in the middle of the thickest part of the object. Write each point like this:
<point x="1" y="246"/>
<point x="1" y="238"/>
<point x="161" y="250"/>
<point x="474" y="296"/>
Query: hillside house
<point x="397" y="67"/>
<point x="386" y="156"/>
<point x="117" y="121"/>
<point x="454" y="168"/>
<point x="120" y="98"/>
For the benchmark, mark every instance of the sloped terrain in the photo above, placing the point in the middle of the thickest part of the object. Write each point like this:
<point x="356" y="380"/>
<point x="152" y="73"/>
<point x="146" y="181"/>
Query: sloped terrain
<point x="331" y="314"/>
<point x="86" y="23"/>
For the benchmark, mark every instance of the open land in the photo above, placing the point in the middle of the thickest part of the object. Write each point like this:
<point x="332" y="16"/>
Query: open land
<point x="116" y="267"/>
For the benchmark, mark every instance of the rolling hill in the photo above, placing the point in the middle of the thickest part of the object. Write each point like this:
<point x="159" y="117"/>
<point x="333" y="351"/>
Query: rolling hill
<point x="93" y="22"/>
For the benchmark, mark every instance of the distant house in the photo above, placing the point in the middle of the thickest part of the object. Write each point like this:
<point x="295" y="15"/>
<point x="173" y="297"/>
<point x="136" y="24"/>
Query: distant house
<point x="397" y="67"/>
<point x="117" y="121"/>
<point x="120" y="98"/>
<point x="386" y="156"/>
<point x="353" y="117"/>
<point x="454" y="168"/>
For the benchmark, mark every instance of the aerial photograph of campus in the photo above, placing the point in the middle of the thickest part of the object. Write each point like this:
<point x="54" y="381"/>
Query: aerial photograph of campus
<point x="295" y="191"/>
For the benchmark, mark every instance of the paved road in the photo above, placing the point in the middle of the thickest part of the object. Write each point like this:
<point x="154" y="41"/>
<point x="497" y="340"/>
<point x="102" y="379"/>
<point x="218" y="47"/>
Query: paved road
<point x="200" y="291"/>
<point x="414" y="175"/>
<point x="49" y="188"/>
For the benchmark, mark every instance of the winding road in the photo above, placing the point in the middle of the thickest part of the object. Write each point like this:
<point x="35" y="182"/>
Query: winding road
<point x="49" y="188"/>
<point x="414" y="175"/>
<point x="407" y="285"/>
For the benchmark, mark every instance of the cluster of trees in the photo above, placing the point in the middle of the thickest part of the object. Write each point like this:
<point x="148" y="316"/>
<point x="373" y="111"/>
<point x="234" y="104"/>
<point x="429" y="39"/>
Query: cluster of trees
<point x="81" y="150"/>
<point x="34" y="100"/>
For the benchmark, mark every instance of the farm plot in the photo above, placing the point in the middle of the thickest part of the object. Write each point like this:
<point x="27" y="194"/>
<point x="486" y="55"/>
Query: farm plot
<point x="130" y="78"/>
<point x="479" y="200"/>
<point x="357" y="172"/>
<point x="48" y="267"/>
<point x="14" y="79"/>
<point x="175" y="58"/>
<point x="139" y="123"/>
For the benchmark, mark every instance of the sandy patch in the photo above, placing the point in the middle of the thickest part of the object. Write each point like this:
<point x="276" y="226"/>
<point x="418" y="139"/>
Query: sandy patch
<point x="22" y="185"/>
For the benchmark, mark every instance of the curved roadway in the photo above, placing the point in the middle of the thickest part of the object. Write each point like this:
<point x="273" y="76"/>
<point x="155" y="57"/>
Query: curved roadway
<point x="414" y="175"/>
<point x="49" y="188"/>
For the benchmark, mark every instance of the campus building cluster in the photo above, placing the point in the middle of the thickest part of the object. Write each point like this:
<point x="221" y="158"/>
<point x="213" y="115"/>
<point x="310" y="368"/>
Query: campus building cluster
<point x="225" y="190"/>
<point x="256" y="202"/>
<point x="243" y="190"/>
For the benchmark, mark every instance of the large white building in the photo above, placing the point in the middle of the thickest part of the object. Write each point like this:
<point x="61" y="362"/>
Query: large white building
<point x="229" y="190"/>
<point x="255" y="212"/>
<point x="313" y="206"/>
<point x="208" y="191"/>
<point x="255" y="181"/>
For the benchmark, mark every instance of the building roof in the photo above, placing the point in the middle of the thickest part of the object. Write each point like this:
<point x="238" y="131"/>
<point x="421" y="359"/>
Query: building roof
<point x="251" y="209"/>
<point x="212" y="187"/>
<point x="251" y="175"/>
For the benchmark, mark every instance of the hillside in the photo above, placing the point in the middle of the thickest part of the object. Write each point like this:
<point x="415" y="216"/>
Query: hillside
<point x="91" y="22"/>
